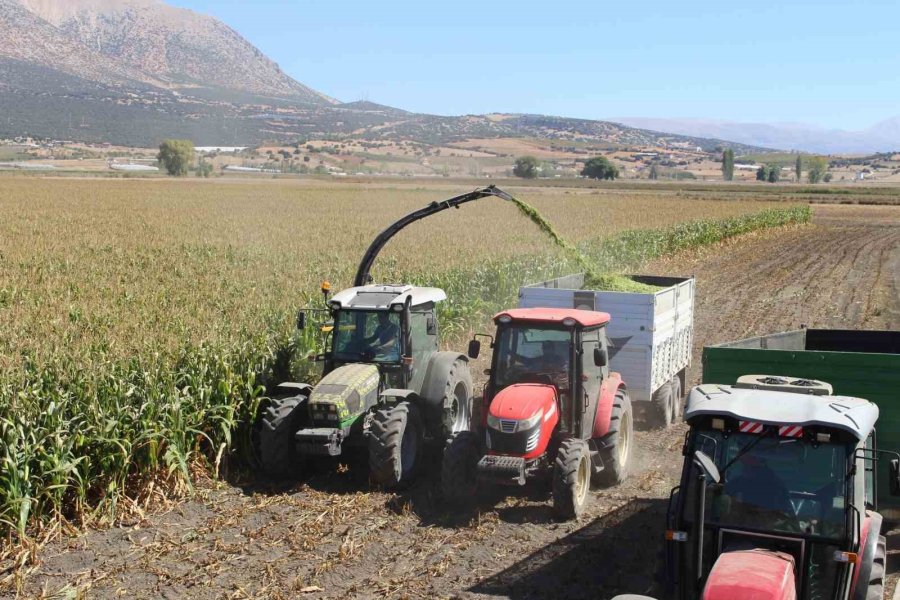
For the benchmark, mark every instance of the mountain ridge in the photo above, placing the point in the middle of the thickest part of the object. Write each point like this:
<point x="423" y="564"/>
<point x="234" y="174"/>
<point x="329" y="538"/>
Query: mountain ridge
<point x="881" y="137"/>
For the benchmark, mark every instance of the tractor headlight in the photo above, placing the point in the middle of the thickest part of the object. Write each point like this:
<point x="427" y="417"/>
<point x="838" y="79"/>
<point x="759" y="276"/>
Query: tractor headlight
<point x="493" y="422"/>
<point x="526" y="424"/>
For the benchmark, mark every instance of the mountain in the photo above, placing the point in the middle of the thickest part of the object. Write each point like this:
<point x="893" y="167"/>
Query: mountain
<point x="178" y="47"/>
<point x="883" y="137"/>
<point x="135" y="72"/>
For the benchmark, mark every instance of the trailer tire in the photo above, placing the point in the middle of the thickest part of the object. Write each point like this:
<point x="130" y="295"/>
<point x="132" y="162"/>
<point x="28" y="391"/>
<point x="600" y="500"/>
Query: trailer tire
<point x="875" y="590"/>
<point x="662" y="407"/>
<point x="617" y="446"/>
<point x="275" y="431"/>
<point x="677" y="397"/>
<point x="395" y="445"/>
<point x="571" y="478"/>
<point x="459" y="468"/>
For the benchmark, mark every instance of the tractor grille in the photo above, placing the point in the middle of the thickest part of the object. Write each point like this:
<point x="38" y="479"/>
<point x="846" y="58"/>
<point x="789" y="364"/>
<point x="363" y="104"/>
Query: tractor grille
<point x="521" y="442"/>
<point x="508" y="426"/>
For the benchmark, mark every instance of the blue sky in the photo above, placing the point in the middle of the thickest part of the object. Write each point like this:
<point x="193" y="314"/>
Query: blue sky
<point x="834" y="63"/>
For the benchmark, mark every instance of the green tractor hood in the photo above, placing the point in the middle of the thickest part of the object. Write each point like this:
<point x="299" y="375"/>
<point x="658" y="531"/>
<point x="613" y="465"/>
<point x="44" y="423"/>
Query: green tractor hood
<point x="348" y="391"/>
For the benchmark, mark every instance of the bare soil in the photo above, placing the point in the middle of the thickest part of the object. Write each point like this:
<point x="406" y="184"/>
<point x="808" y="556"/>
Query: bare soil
<point x="329" y="536"/>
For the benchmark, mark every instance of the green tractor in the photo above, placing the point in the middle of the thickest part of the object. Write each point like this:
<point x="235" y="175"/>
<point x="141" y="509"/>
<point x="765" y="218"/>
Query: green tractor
<point x="385" y="385"/>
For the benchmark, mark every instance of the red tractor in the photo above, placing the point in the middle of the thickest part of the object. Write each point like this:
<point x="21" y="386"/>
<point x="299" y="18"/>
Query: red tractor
<point x="551" y="406"/>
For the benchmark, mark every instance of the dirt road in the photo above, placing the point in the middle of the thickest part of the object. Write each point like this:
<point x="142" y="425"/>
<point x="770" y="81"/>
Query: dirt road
<point x="330" y="537"/>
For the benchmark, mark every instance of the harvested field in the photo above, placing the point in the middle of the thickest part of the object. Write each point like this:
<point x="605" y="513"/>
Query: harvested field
<point x="330" y="537"/>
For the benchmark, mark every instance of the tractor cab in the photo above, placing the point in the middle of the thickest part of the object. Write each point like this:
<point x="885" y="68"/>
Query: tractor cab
<point x="392" y="327"/>
<point x="562" y="351"/>
<point x="777" y="494"/>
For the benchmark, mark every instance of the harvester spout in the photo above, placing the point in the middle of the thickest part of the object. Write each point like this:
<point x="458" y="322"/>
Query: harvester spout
<point x="362" y="273"/>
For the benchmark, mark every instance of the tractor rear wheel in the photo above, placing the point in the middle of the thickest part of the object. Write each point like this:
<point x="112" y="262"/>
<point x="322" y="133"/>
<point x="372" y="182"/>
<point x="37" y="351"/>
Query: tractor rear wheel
<point x="395" y="445"/>
<point x="275" y="435"/>
<point x="662" y="407"/>
<point x="616" y="446"/>
<point x="457" y="401"/>
<point x="459" y="468"/>
<point x="571" y="478"/>
<point x="876" y="577"/>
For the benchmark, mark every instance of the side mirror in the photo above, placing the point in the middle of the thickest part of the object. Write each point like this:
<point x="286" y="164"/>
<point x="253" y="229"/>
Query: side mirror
<point x="601" y="359"/>
<point x="895" y="477"/>
<point x="706" y="464"/>
<point x="301" y="320"/>
<point x="474" y="349"/>
<point x="430" y="325"/>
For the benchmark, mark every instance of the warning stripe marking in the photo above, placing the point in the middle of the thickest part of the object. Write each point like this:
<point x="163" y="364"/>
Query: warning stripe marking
<point x="750" y="427"/>
<point x="792" y="431"/>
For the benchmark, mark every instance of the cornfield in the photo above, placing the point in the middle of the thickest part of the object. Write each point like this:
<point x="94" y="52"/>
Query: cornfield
<point x="142" y="321"/>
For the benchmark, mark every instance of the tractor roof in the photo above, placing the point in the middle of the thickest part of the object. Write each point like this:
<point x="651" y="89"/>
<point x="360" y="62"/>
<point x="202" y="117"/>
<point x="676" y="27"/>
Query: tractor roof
<point x="383" y="297"/>
<point x="853" y="415"/>
<point x="585" y="318"/>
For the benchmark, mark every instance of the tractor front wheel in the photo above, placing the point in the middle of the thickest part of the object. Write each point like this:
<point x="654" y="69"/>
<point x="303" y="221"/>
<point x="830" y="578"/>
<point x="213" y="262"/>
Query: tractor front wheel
<point x="275" y="435"/>
<point x="395" y="445"/>
<point x="616" y="447"/>
<point x="459" y="468"/>
<point x="571" y="478"/>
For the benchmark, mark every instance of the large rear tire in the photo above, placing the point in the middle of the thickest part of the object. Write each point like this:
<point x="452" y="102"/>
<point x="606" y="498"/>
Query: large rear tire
<point x="395" y="445"/>
<point x="459" y="468"/>
<point x="876" y="577"/>
<point x="275" y="430"/>
<point x="571" y="478"/>
<point x="617" y="446"/>
<point x="457" y="400"/>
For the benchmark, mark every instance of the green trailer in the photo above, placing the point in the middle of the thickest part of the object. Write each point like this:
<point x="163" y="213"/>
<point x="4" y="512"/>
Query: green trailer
<point x="864" y="364"/>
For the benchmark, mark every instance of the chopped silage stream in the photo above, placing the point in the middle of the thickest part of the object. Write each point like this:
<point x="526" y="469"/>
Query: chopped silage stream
<point x="593" y="279"/>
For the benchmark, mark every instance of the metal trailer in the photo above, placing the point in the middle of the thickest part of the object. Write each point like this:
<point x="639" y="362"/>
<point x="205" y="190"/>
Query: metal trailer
<point x="651" y="335"/>
<point x="864" y="364"/>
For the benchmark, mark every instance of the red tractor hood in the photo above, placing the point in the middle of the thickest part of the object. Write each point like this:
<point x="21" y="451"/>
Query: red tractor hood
<point x="751" y="575"/>
<point x="522" y="400"/>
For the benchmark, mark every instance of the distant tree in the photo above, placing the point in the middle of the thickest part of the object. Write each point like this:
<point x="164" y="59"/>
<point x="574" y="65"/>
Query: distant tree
<point x="798" y="168"/>
<point x="818" y="166"/>
<point x="204" y="169"/>
<point x="599" y="167"/>
<point x="728" y="164"/>
<point x="527" y="167"/>
<point x="828" y="177"/>
<point x="770" y="173"/>
<point x="654" y="171"/>
<point x="306" y="158"/>
<point x="176" y="156"/>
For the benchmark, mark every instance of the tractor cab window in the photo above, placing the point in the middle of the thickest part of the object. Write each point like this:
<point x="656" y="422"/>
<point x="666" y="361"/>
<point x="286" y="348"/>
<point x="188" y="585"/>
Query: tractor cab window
<point x="367" y="335"/>
<point x="780" y="484"/>
<point x="534" y="355"/>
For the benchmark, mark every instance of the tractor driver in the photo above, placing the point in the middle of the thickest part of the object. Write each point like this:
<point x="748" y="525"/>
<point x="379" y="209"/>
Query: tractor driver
<point x="555" y="363"/>
<point x="387" y="333"/>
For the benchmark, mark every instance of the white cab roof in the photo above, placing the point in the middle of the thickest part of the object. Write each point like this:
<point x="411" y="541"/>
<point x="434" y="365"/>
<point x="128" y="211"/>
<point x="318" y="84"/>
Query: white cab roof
<point x="383" y="297"/>
<point x="853" y="415"/>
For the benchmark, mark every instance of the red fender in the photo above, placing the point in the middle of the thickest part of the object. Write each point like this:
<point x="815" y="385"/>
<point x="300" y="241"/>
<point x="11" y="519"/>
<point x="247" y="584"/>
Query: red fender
<point x="608" y="391"/>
